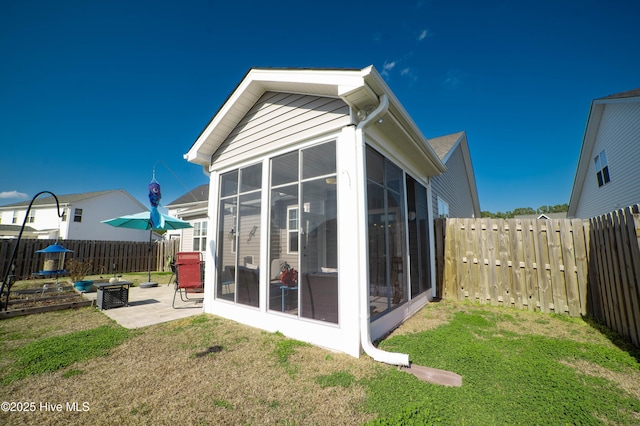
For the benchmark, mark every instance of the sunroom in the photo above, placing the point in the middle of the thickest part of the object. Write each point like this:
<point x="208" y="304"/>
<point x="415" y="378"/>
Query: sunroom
<point x="319" y="213"/>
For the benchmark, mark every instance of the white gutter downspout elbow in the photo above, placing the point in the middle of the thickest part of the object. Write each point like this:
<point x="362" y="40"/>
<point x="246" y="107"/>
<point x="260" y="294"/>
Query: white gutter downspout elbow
<point x="393" y="358"/>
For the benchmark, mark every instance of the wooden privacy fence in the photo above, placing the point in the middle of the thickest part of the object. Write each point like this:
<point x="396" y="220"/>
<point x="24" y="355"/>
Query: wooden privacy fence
<point x="109" y="257"/>
<point x="615" y="271"/>
<point x="565" y="266"/>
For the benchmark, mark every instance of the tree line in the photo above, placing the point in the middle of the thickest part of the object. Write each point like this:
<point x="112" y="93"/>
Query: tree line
<point x="558" y="208"/>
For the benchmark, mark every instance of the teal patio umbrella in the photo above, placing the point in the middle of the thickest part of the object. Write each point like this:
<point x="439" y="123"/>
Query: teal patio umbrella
<point x="144" y="221"/>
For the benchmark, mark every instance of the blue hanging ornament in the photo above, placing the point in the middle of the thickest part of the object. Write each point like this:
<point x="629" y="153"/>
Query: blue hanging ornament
<point x="154" y="199"/>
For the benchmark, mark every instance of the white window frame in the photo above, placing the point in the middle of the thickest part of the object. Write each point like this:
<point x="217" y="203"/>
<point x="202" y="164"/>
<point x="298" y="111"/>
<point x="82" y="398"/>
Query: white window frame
<point x="200" y="236"/>
<point x="32" y="216"/>
<point x="291" y="230"/>
<point x="603" y="175"/>
<point x="443" y="208"/>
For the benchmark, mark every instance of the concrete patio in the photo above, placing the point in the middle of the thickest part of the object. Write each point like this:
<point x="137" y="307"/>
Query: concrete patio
<point x="148" y="306"/>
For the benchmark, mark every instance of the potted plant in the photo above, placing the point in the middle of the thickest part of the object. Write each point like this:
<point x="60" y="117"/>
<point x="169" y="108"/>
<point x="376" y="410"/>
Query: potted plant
<point x="78" y="270"/>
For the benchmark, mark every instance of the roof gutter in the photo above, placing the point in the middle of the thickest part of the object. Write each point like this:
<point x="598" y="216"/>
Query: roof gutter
<point x="393" y="358"/>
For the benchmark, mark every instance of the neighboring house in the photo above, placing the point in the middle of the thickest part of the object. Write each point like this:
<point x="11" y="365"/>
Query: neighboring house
<point x="81" y="216"/>
<point x="608" y="175"/>
<point x="192" y="207"/>
<point x="454" y="192"/>
<point x="322" y="171"/>
<point x="12" y="231"/>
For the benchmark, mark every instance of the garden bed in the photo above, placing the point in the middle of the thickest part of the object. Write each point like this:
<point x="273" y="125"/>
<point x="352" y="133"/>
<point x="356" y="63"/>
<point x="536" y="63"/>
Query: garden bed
<point x="47" y="298"/>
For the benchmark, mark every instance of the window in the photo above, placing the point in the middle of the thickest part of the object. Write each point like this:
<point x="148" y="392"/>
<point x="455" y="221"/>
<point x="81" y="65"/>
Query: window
<point x="303" y="233"/>
<point x="292" y="229"/>
<point x="32" y="216"/>
<point x="14" y="219"/>
<point x="602" y="168"/>
<point x="65" y="213"/>
<point x="200" y="236"/>
<point x="443" y="208"/>
<point x="387" y="233"/>
<point x="77" y="215"/>
<point x="239" y="235"/>
<point x="418" y="216"/>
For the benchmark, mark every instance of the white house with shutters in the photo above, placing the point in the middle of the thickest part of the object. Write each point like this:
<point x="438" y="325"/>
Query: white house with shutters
<point x="192" y="207"/>
<point x="324" y="172"/>
<point x="81" y="216"/>
<point x="608" y="174"/>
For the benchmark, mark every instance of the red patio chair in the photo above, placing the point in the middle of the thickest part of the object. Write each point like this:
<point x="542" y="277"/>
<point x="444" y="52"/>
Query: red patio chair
<point x="188" y="277"/>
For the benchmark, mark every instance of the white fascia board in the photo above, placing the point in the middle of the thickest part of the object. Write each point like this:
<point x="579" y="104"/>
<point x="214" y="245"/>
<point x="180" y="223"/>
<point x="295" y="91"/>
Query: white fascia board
<point x="400" y="115"/>
<point x="419" y="141"/>
<point x="255" y="84"/>
<point x="195" y="154"/>
<point x="326" y="77"/>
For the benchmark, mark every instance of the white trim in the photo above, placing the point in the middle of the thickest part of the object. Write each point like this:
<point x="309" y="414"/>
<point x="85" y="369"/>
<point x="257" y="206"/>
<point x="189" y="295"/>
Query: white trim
<point x="297" y="230"/>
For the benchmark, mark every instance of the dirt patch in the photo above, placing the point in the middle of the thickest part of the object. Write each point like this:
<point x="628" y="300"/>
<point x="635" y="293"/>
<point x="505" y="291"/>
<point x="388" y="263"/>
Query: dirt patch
<point x="41" y="299"/>
<point x="433" y="315"/>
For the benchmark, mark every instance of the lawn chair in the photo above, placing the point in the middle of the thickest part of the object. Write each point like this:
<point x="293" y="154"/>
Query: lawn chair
<point x="188" y="277"/>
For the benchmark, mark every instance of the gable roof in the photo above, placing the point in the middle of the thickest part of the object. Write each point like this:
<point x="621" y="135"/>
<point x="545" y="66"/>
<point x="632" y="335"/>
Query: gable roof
<point x="66" y="199"/>
<point x="360" y="89"/>
<point x="558" y="215"/>
<point x="628" y="94"/>
<point x="15" y="228"/>
<point x="589" y="139"/>
<point x="196" y="195"/>
<point x="445" y="146"/>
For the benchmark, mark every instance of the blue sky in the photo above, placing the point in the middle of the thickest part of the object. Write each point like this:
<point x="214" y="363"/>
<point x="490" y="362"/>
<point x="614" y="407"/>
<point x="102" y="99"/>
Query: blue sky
<point x="94" y="95"/>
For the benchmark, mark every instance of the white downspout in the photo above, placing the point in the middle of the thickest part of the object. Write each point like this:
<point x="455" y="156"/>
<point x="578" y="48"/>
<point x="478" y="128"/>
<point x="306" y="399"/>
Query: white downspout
<point x="393" y="358"/>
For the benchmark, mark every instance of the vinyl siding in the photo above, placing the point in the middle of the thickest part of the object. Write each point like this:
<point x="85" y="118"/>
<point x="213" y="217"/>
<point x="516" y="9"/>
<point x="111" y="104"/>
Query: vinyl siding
<point x="619" y="135"/>
<point x="249" y="246"/>
<point x="279" y="119"/>
<point x="453" y="187"/>
<point x="186" y="240"/>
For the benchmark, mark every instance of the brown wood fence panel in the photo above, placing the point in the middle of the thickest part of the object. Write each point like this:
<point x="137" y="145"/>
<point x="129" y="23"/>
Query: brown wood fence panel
<point x="617" y="271"/>
<point x="108" y="257"/>
<point x="565" y="266"/>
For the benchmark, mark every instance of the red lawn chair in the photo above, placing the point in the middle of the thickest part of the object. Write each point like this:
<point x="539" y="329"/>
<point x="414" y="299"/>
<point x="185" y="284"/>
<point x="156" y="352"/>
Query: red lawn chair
<point x="188" y="276"/>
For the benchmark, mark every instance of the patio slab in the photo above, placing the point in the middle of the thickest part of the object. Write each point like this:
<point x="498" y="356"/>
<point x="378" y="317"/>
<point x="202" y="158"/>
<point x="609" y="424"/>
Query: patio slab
<point x="148" y="306"/>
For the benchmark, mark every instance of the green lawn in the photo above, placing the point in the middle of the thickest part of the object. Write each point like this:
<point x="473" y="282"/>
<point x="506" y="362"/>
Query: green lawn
<point x="518" y="368"/>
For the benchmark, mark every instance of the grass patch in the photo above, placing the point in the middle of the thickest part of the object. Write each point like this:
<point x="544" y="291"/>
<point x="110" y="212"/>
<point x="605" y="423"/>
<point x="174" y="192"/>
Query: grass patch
<point x="223" y="404"/>
<point x="518" y="367"/>
<point x="72" y="373"/>
<point x="339" y="378"/>
<point x="285" y="348"/>
<point x="508" y="378"/>
<point x="54" y="353"/>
